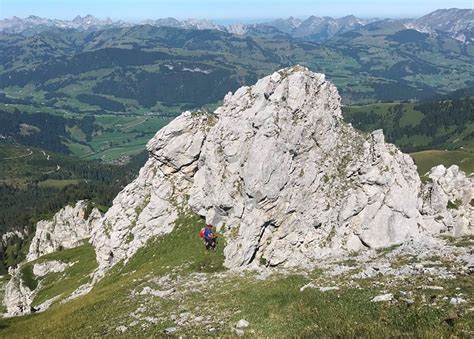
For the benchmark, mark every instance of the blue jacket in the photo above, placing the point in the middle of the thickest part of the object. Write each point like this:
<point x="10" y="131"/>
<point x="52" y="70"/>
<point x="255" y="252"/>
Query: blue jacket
<point x="208" y="234"/>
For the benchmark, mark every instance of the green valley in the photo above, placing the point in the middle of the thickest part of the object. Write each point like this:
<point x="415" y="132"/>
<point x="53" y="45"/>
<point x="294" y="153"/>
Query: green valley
<point x="35" y="184"/>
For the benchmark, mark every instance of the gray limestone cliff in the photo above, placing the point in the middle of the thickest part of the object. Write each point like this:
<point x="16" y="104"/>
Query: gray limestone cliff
<point x="291" y="181"/>
<point x="18" y="296"/>
<point x="448" y="198"/>
<point x="149" y="205"/>
<point x="280" y="173"/>
<point x="68" y="228"/>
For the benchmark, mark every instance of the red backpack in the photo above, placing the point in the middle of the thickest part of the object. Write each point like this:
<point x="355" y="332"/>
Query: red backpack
<point x="201" y="232"/>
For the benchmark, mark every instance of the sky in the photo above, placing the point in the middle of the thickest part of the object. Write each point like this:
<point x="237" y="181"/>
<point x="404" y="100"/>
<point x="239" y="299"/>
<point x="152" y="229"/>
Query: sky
<point x="224" y="10"/>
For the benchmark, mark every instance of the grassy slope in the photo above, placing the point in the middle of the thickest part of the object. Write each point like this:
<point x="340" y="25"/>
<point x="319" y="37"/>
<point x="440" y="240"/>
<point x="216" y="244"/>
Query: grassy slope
<point x="425" y="160"/>
<point x="274" y="307"/>
<point x="62" y="283"/>
<point x="92" y="314"/>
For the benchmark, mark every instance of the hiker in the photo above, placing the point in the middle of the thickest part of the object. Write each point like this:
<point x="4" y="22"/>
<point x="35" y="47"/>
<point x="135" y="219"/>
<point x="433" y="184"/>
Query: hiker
<point x="210" y="238"/>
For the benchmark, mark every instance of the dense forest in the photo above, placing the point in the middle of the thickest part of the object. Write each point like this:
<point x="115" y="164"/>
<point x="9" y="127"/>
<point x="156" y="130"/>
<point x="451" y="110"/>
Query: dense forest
<point x="441" y="121"/>
<point x="102" y="102"/>
<point x="42" y="130"/>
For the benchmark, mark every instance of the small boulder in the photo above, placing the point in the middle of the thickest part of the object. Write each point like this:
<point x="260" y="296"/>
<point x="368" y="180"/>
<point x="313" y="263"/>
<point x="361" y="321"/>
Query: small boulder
<point x="309" y="285"/>
<point x="121" y="329"/>
<point x="242" y="323"/>
<point x="457" y="301"/>
<point x="170" y="330"/>
<point x="435" y="288"/>
<point x="383" y="297"/>
<point x="239" y="332"/>
<point x="329" y="288"/>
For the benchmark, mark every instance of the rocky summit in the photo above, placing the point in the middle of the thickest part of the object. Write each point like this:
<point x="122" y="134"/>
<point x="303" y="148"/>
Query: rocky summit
<point x="281" y="174"/>
<point x="287" y="182"/>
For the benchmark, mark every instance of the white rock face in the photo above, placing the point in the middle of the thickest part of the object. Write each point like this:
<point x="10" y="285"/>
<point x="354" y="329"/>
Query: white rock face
<point x="6" y="237"/>
<point x="148" y="206"/>
<point x="51" y="266"/>
<point x="291" y="181"/>
<point x="448" y="200"/>
<point x="280" y="173"/>
<point x="80" y="291"/>
<point x="68" y="229"/>
<point x="18" y="297"/>
<point x="383" y="297"/>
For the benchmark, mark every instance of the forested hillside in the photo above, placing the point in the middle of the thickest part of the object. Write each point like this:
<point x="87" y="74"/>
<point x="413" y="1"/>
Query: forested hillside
<point x="35" y="184"/>
<point x="161" y="69"/>
<point x="440" y="123"/>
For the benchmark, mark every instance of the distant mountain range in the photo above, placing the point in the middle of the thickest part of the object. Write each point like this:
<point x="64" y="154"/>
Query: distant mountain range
<point x="453" y="22"/>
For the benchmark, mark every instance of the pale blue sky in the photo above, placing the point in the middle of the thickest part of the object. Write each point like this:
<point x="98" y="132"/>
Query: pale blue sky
<point x="222" y="9"/>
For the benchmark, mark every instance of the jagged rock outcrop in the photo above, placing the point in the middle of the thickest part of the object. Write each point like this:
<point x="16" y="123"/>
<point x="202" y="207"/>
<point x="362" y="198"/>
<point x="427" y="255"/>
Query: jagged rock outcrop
<point x="280" y="169"/>
<point x="8" y="236"/>
<point x="149" y="205"/>
<point x="291" y="181"/>
<point x="18" y="296"/>
<point x="448" y="198"/>
<point x="279" y="172"/>
<point x="68" y="228"/>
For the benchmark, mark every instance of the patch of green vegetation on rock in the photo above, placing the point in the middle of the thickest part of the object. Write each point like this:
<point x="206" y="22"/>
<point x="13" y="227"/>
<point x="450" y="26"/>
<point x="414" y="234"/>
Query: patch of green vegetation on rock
<point x="464" y="241"/>
<point x="349" y="262"/>
<point x="387" y="250"/>
<point x="28" y="277"/>
<point x="454" y="204"/>
<point x="402" y="261"/>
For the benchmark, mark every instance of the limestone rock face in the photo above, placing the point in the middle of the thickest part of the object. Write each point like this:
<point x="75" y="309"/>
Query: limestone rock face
<point x="288" y="180"/>
<point x="18" y="296"/>
<point x="51" y="266"/>
<point x="148" y="206"/>
<point x="448" y="197"/>
<point x="68" y="228"/>
<point x="8" y="236"/>
<point x="282" y="176"/>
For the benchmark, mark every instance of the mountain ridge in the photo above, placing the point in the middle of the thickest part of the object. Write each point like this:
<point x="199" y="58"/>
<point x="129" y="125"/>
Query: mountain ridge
<point x="312" y="28"/>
